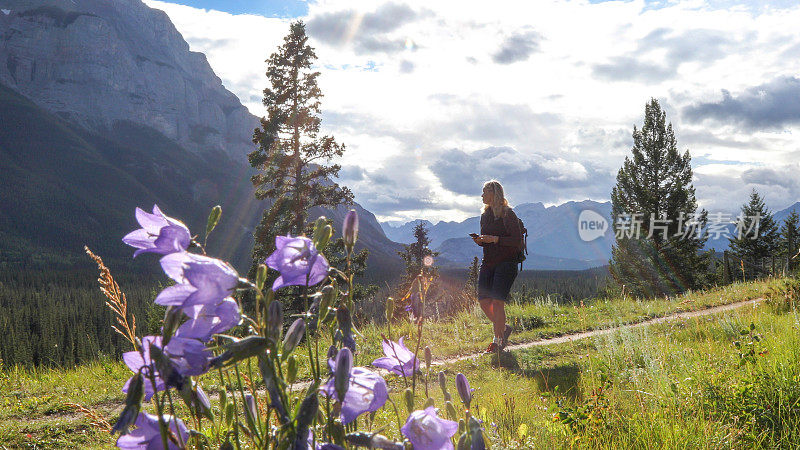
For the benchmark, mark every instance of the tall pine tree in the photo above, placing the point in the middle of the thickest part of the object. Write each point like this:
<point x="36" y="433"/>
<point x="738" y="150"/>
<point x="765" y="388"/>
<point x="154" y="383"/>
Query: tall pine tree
<point x="756" y="233"/>
<point x="790" y="239"/>
<point x="291" y="156"/>
<point x="414" y="255"/>
<point x="654" y="192"/>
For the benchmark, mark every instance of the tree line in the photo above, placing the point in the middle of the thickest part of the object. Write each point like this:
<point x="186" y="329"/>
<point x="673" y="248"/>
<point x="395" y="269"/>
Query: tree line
<point x="59" y="318"/>
<point x="660" y="233"/>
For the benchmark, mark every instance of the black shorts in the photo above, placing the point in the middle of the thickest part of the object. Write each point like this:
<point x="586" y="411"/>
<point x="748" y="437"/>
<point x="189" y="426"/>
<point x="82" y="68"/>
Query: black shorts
<point x="495" y="283"/>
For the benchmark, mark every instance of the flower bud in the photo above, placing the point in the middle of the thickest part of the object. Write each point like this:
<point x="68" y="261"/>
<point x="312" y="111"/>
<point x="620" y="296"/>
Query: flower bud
<point x="462" y="426"/>
<point x="429" y="402"/>
<point x="274" y="320"/>
<point x="474" y="424"/>
<point x="196" y="399"/>
<point x="382" y="442"/>
<point x="344" y="365"/>
<point x="213" y="219"/>
<point x="305" y="416"/>
<point x="172" y="319"/>
<point x="322" y="233"/>
<point x="451" y="410"/>
<point x="389" y="309"/>
<point x="318" y="224"/>
<point x="239" y="350"/>
<point x="202" y="402"/>
<point x="369" y="440"/>
<point x="428" y="357"/>
<point x="350" y="230"/>
<point x="443" y="382"/>
<point x="346" y="327"/>
<point x="250" y="410"/>
<point x="332" y="350"/>
<point x="408" y="396"/>
<point x="477" y="441"/>
<point x="293" y="337"/>
<point x="325" y="302"/>
<point x="229" y="414"/>
<point x="327" y="233"/>
<point x="463" y="389"/>
<point x="462" y="442"/>
<point x="291" y="369"/>
<point x="336" y="431"/>
<point x="261" y="276"/>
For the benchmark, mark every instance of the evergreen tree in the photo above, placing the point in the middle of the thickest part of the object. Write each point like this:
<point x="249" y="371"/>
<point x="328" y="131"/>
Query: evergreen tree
<point x="658" y="245"/>
<point x="414" y="255"/>
<point x="790" y="239"/>
<point x="290" y="156"/>
<point x="756" y="234"/>
<point x="471" y="287"/>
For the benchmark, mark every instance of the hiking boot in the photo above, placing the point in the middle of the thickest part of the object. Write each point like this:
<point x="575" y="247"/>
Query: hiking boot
<point x="506" y="334"/>
<point x="491" y="348"/>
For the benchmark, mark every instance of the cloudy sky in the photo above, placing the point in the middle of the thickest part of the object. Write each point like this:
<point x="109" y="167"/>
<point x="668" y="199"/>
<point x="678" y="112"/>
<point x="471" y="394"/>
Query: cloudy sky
<point x="434" y="98"/>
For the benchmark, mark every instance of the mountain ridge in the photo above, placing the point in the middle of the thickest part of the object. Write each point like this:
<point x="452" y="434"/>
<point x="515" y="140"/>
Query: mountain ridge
<point x="94" y="165"/>
<point x="552" y="234"/>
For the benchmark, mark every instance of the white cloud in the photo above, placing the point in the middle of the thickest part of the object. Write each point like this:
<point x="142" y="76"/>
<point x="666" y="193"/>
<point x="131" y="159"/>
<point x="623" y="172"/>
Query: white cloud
<point x="561" y="83"/>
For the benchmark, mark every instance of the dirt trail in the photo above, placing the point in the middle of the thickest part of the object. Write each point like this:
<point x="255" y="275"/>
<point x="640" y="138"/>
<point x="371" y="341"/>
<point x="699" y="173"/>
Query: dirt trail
<point x="302" y="385"/>
<point x="587" y="334"/>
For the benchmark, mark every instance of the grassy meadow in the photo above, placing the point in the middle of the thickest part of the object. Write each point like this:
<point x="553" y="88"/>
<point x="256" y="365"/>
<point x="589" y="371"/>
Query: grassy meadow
<point x="708" y="382"/>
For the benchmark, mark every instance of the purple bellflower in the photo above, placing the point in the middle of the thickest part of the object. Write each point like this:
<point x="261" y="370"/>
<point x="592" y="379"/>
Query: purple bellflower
<point x="298" y="261"/>
<point x="201" y="280"/>
<point x="399" y="359"/>
<point x="135" y="362"/>
<point x="147" y="434"/>
<point x="159" y="234"/>
<point x="189" y="357"/>
<point x="208" y="320"/>
<point x="366" y="392"/>
<point x="427" y="431"/>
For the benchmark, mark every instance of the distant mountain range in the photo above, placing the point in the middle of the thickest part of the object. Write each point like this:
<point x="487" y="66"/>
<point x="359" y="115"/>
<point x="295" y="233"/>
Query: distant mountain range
<point x="104" y="108"/>
<point x="553" y="238"/>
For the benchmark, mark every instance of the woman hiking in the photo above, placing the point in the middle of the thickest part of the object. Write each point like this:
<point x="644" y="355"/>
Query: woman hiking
<point x="501" y="239"/>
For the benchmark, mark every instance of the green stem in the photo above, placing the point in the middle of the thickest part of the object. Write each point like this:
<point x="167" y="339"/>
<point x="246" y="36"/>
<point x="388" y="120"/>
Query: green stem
<point x="181" y="444"/>
<point x="235" y="415"/>
<point x="397" y="415"/>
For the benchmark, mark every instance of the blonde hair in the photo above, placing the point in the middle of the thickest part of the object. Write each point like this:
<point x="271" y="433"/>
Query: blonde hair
<point x="499" y="202"/>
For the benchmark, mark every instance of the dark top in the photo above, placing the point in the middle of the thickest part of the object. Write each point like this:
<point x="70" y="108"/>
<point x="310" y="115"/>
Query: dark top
<point x="507" y="229"/>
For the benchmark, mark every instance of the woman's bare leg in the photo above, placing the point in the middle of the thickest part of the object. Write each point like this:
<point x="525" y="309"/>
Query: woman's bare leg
<point x="486" y="306"/>
<point x="499" y="309"/>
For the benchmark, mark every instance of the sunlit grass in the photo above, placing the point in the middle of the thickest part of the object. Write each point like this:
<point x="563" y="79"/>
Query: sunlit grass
<point x="526" y="389"/>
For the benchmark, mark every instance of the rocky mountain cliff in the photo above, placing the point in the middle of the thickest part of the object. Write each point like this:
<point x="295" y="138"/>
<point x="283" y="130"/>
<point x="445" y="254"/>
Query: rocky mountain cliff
<point x="105" y="108"/>
<point x="97" y="62"/>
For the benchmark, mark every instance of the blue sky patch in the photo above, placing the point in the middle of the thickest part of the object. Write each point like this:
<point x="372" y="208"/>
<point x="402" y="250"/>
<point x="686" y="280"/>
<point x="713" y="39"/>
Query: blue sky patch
<point x="266" y="8"/>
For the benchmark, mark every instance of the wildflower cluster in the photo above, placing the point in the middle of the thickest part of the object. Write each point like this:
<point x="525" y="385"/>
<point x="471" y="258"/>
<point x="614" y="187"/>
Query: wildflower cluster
<point x="203" y="304"/>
